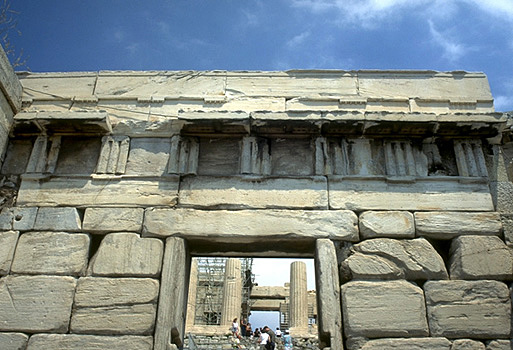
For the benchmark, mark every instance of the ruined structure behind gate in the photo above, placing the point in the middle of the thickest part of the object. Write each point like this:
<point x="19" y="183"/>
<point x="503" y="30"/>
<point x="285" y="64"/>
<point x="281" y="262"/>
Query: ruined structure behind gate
<point x="397" y="183"/>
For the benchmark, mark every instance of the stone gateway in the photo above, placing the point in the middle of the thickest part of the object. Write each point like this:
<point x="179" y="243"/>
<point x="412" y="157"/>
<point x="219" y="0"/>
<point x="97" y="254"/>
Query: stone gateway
<point x="397" y="183"/>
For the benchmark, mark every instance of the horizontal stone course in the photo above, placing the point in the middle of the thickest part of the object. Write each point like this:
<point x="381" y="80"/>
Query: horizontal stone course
<point x="393" y="224"/>
<point x="89" y="342"/>
<point x="102" y="220"/>
<point x="36" y="303"/>
<point x="51" y="253"/>
<point x="447" y="225"/>
<point x="58" y="219"/>
<point x="468" y="309"/>
<point x="246" y="226"/>
<point x="383" y="309"/>
<point x="400" y="344"/>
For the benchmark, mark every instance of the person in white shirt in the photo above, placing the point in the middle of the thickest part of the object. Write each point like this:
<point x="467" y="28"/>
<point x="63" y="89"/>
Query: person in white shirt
<point x="278" y="332"/>
<point x="264" y="338"/>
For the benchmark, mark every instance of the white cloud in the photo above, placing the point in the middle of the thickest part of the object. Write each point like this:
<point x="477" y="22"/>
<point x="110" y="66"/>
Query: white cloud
<point x="453" y="50"/>
<point x="276" y="272"/>
<point x="500" y="8"/>
<point x="297" y="40"/>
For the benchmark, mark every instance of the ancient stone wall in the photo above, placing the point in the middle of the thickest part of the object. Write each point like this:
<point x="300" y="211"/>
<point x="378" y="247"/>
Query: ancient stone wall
<point x="392" y="181"/>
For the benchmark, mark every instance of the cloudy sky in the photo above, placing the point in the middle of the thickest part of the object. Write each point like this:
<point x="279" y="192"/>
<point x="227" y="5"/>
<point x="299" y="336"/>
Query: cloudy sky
<point x="443" y="35"/>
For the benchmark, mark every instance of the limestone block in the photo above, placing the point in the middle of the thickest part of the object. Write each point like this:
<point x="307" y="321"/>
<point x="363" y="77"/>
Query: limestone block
<point x="401" y="344"/>
<point x="254" y="192"/>
<point x="467" y="344"/>
<point x="507" y="226"/>
<point x="148" y="156"/>
<point x="8" y="242"/>
<point x="416" y="258"/>
<point x="52" y="253"/>
<point x="89" y="342"/>
<point x="17" y="156"/>
<point x="58" y="84"/>
<point x="113" y="192"/>
<point x="127" y="254"/>
<point x="13" y="341"/>
<point x="409" y="194"/>
<point x="138" y="319"/>
<point x="502" y="192"/>
<point x="480" y="257"/>
<point x="468" y="309"/>
<point x="248" y="226"/>
<point x="9" y="82"/>
<point x="102" y="220"/>
<point x="99" y="291"/>
<point x="383" y="309"/>
<point x="361" y="267"/>
<point x="6" y="218"/>
<point x="447" y="225"/>
<point x="58" y="219"/>
<point x="219" y="156"/>
<point x="292" y="157"/>
<point x="77" y="155"/>
<point x="393" y="224"/>
<point x="36" y="303"/>
<point x="24" y="218"/>
<point x="501" y="344"/>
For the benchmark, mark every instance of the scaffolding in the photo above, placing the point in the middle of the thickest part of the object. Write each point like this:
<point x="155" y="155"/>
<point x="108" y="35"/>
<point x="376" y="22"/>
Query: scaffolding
<point x="209" y="292"/>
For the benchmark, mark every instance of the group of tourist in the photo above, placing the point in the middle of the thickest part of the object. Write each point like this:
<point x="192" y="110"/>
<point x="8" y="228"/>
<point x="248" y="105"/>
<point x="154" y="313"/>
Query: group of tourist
<point x="265" y="336"/>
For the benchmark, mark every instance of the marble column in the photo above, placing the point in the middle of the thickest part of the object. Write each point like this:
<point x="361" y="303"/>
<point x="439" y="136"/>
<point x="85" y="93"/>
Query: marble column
<point x="298" y="297"/>
<point x="232" y="292"/>
<point x="191" y="299"/>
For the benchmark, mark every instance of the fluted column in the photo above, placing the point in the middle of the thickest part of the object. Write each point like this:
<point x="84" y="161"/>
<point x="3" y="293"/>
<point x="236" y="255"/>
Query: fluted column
<point x="298" y="297"/>
<point x="191" y="301"/>
<point x="232" y="292"/>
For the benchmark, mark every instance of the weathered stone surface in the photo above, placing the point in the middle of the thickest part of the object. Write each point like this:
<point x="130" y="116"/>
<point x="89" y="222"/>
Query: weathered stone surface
<point x="13" y="341"/>
<point x="99" y="291"/>
<point x="328" y="295"/>
<point x="136" y="319"/>
<point x="507" y="225"/>
<point x="127" y="254"/>
<point x="400" y="344"/>
<point x="53" y="253"/>
<point x="252" y="225"/>
<point x="36" y="303"/>
<point x="6" y="218"/>
<point x="501" y="344"/>
<point x="219" y="156"/>
<point x="468" y="309"/>
<point x="58" y="219"/>
<point x="467" y="344"/>
<point x="98" y="191"/>
<point x="8" y="242"/>
<point x="447" y="225"/>
<point x="10" y="85"/>
<point x="372" y="194"/>
<point x="45" y="85"/>
<point x="254" y="192"/>
<point x="362" y="266"/>
<point x="148" y="156"/>
<point x="89" y="342"/>
<point x="393" y="224"/>
<point x="101" y="220"/>
<point x="383" y="309"/>
<point x="480" y="257"/>
<point x="24" y="218"/>
<point x="502" y="192"/>
<point x="416" y="259"/>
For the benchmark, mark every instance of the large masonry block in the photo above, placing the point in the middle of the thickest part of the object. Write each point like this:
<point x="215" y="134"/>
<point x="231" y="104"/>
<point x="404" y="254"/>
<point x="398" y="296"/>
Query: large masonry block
<point x="52" y="253"/>
<point x="102" y="220"/>
<point x="383" y="309"/>
<point x="400" y="344"/>
<point x="89" y="342"/>
<point x="393" y="224"/>
<point x="501" y="344"/>
<point x="58" y="219"/>
<point x="254" y="192"/>
<point x="447" y="225"/>
<point x="127" y="254"/>
<point x="99" y="291"/>
<point x="13" y="341"/>
<point x="467" y="344"/>
<point x="8" y="242"/>
<point x="246" y="226"/>
<point x="120" y="319"/>
<point x="480" y="257"/>
<point x="36" y="303"/>
<point x="24" y="218"/>
<point x="385" y="258"/>
<point x="468" y="309"/>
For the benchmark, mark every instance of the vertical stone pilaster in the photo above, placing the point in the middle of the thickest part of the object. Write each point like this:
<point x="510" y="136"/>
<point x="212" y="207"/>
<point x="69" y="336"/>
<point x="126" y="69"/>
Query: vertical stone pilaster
<point x="232" y="292"/>
<point x="328" y="295"/>
<point x="255" y="158"/>
<point x="113" y="155"/>
<point x="399" y="158"/>
<point x="45" y="153"/>
<point x="191" y="299"/>
<point x="298" y="298"/>
<point x="173" y="292"/>
<point x="183" y="156"/>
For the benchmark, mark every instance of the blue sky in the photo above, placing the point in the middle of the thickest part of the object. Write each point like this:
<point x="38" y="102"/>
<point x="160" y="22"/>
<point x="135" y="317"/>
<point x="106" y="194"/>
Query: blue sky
<point x="444" y="35"/>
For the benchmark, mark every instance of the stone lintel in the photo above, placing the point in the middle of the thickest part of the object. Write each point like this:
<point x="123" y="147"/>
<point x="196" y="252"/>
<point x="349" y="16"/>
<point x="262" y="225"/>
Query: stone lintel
<point x="92" y="191"/>
<point x="269" y="292"/>
<point x="421" y="193"/>
<point x="84" y="123"/>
